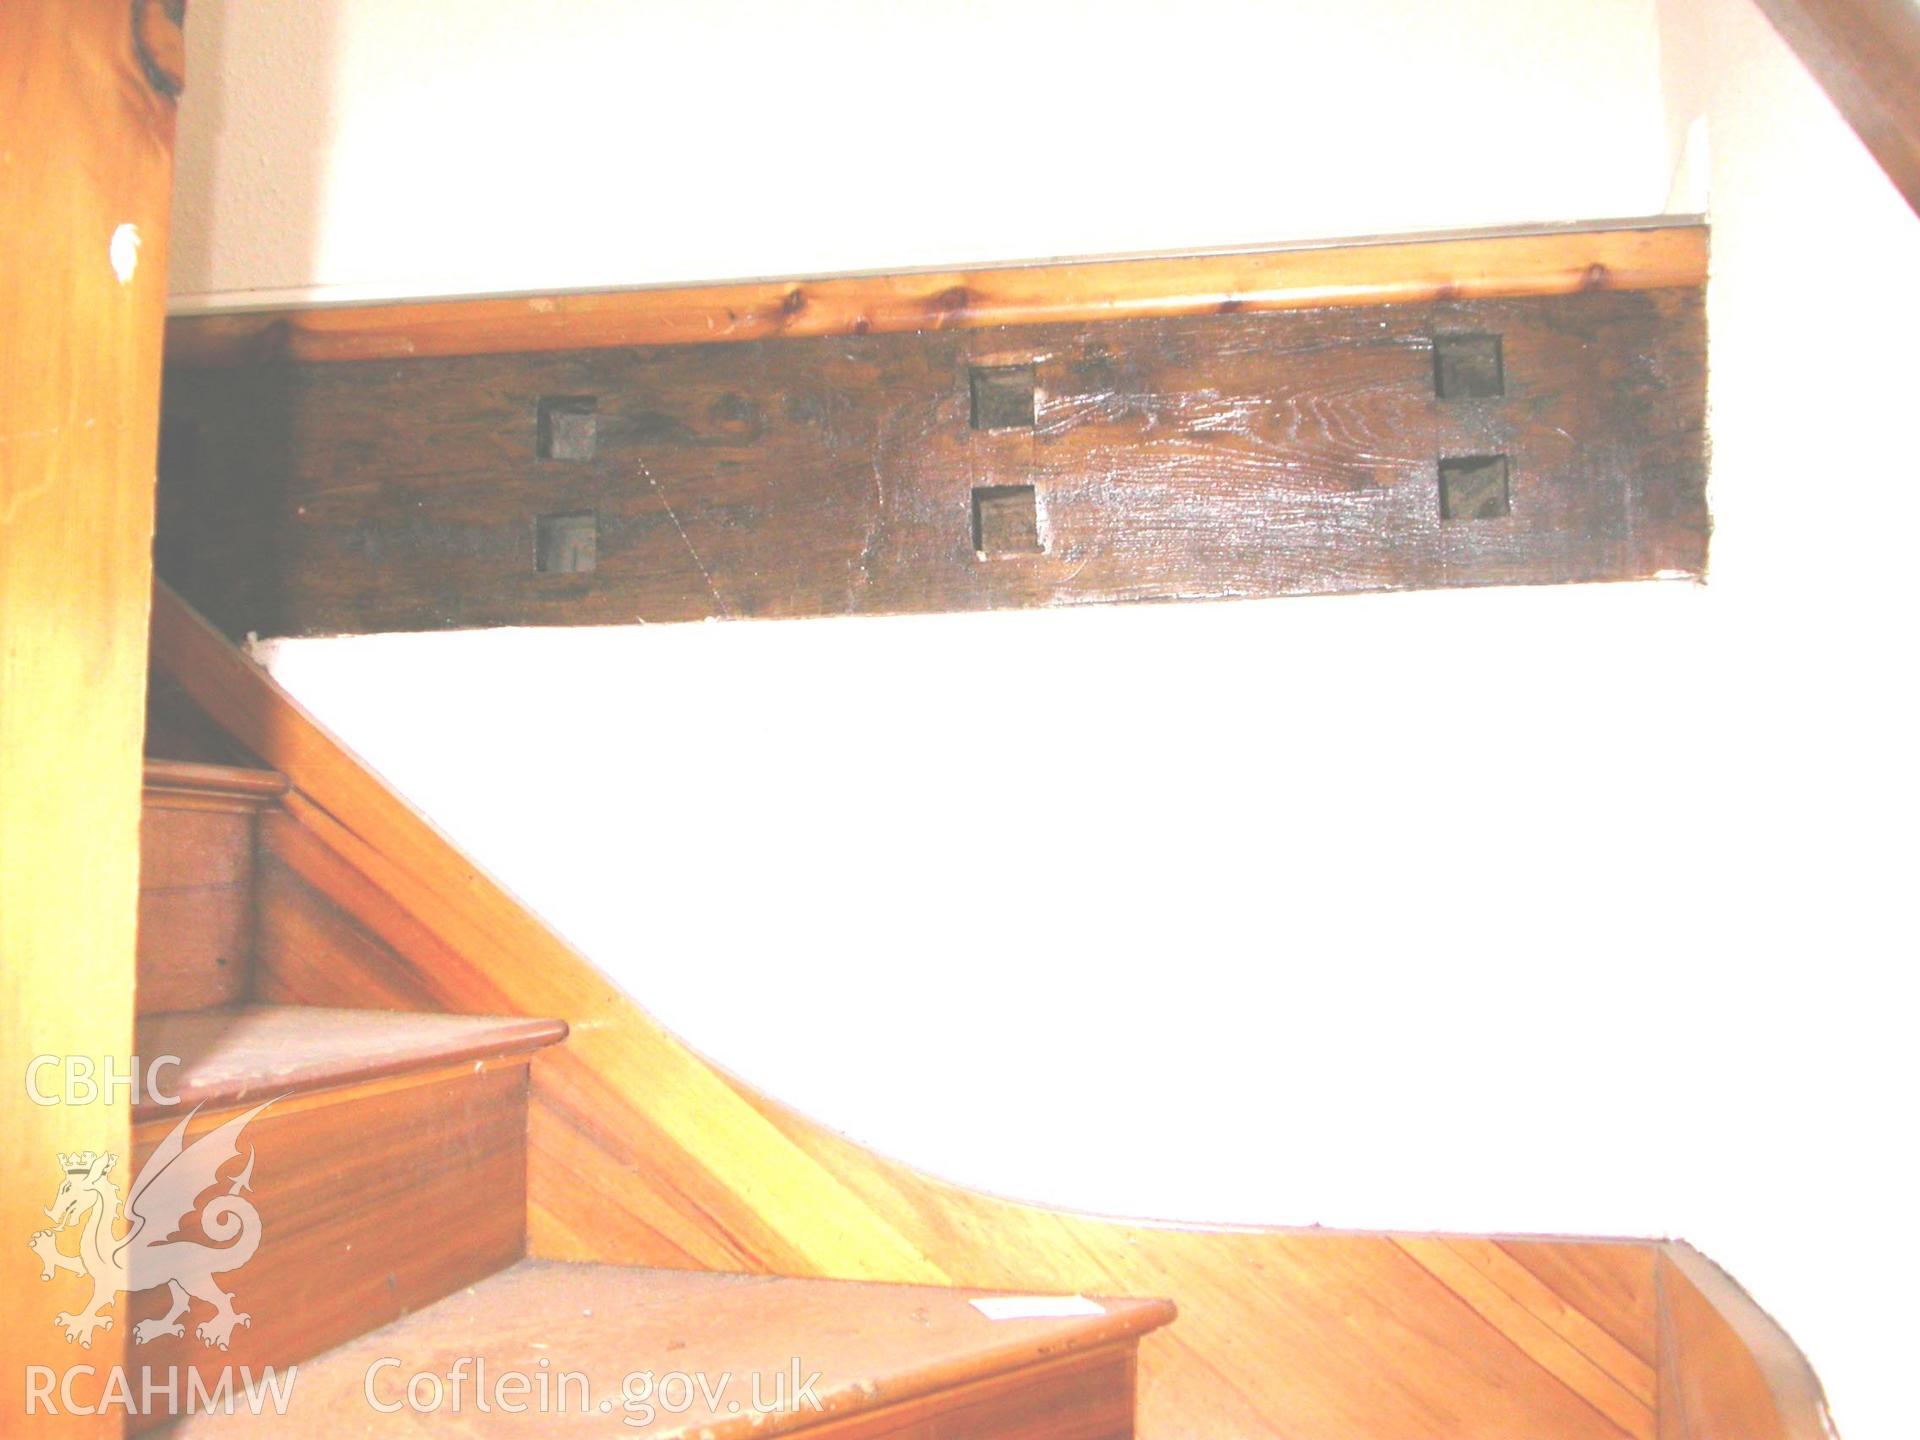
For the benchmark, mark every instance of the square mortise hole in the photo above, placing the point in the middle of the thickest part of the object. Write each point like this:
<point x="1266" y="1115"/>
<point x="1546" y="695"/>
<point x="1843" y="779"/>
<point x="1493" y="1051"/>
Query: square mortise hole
<point x="569" y="427"/>
<point x="1006" y="520"/>
<point x="566" y="544"/>
<point x="1003" y="397"/>
<point x="1474" y="487"/>
<point x="1468" y="367"/>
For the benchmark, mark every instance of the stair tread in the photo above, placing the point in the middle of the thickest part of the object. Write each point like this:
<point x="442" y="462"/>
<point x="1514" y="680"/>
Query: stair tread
<point x="252" y="1052"/>
<point x="872" y="1345"/>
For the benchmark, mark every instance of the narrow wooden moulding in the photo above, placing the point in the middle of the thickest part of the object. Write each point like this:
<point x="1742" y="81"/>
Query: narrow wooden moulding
<point x="1624" y="256"/>
<point x="181" y="782"/>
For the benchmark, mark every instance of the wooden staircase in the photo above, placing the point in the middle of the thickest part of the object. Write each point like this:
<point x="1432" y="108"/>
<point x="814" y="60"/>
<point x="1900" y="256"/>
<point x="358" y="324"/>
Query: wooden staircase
<point x="641" y="1163"/>
<point x="390" y="1163"/>
<point x="383" y="1154"/>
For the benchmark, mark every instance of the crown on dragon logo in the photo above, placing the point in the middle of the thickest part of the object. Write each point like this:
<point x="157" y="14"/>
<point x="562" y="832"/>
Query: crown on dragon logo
<point x="81" y="1162"/>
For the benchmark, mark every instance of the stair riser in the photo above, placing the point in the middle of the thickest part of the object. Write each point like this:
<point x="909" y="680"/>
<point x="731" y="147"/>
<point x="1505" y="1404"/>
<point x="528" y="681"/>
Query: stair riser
<point x="373" y="1201"/>
<point x="196" y="902"/>
<point x="1079" y="1397"/>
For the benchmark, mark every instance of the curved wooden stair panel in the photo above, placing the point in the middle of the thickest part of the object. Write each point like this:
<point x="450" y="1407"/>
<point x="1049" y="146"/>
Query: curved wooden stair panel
<point x="643" y="1154"/>
<point x="1727" y="1368"/>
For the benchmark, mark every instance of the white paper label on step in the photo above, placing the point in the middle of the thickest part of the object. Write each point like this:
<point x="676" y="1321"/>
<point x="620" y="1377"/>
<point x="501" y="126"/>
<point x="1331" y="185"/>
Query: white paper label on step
<point x="1037" y="1307"/>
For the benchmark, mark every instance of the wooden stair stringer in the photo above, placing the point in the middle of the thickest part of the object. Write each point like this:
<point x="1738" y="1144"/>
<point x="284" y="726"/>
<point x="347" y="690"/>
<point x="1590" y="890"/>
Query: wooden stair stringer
<point x="1343" y="1317"/>
<point x="700" y="1123"/>
<point x="643" y="1153"/>
<point x="691" y="1218"/>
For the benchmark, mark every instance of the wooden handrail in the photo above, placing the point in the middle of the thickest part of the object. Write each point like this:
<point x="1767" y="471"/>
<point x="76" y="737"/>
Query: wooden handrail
<point x="1626" y="256"/>
<point x="1866" y="56"/>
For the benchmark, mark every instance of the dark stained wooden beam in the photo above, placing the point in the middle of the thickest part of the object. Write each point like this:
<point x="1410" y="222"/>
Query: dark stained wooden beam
<point x="1866" y="55"/>
<point x="1560" y="261"/>
<point x="1448" y="443"/>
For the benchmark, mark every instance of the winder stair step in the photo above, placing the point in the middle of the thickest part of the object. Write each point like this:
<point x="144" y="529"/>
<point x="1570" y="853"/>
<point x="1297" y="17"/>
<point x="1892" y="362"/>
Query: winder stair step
<point x="382" y="1155"/>
<point x="243" y="1054"/>
<point x="893" y="1362"/>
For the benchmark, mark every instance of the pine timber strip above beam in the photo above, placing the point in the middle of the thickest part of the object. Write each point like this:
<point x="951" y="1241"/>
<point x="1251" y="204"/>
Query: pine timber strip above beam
<point x="1535" y="439"/>
<point x="1486" y="265"/>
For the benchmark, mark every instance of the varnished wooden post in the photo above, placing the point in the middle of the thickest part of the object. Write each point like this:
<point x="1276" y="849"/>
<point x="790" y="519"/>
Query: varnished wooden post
<point x="85" y="166"/>
<point x="1866" y="56"/>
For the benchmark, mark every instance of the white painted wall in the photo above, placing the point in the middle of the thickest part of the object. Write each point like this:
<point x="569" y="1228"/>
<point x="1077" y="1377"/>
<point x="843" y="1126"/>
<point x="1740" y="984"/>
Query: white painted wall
<point x="404" y="147"/>
<point x="1566" y="910"/>
<point x="1815" y="290"/>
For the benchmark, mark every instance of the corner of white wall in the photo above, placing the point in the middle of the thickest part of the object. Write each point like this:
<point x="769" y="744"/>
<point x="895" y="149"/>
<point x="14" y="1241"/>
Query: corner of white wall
<point x="1814" y="292"/>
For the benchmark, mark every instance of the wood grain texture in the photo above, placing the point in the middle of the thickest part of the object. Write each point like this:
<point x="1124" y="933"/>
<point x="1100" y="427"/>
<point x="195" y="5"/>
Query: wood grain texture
<point x="88" y="150"/>
<point x="1078" y="1397"/>
<point x="196" y="902"/>
<point x="1613" y="1285"/>
<point x="194" y="845"/>
<point x="887" y="1360"/>
<point x="1728" y="1371"/>
<point x="196" y="882"/>
<point x="1487" y="265"/>
<point x="303" y="939"/>
<point x="195" y="947"/>
<point x="241" y="1054"/>
<point x="177" y="729"/>
<point x="1866" y="56"/>
<point x="1561" y="1340"/>
<point x="1219" y="456"/>
<point x="642" y="1153"/>
<point x="373" y="1201"/>
<point x="181" y="782"/>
